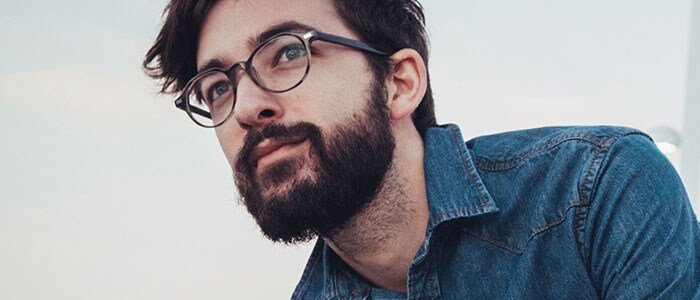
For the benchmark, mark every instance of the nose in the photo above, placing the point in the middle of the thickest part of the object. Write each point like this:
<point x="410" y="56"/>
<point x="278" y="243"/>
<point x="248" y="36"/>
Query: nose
<point x="254" y="107"/>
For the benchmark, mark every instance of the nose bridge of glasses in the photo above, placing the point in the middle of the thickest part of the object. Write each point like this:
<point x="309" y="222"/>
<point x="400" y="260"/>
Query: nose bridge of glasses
<point x="235" y="74"/>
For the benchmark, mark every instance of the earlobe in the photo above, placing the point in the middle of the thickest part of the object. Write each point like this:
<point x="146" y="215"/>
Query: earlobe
<point x="406" y="84"/>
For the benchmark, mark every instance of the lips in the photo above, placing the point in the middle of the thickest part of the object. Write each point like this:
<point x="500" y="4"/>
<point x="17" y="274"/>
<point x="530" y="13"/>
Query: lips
<point x="268" y="146"/>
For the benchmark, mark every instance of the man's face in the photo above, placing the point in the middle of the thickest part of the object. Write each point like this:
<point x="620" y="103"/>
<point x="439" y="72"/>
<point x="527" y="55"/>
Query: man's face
<point x="307" y="160"/>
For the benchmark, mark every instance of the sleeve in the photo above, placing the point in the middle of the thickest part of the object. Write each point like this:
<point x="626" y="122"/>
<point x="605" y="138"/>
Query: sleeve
<point x="641" y="238"/>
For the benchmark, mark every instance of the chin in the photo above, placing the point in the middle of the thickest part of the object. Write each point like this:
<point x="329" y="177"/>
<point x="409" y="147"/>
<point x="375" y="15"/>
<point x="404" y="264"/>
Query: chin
<point x="283" y="176"/>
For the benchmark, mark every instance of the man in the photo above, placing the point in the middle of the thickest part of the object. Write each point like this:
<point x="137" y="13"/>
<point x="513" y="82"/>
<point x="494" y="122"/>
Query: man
<point x="324" y="111"/>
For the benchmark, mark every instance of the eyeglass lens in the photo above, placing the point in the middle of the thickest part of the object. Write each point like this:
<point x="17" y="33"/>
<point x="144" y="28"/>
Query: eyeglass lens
<point x="278" y="65"/>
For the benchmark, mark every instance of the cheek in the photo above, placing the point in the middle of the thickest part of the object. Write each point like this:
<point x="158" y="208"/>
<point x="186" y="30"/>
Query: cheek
<point x="334" y="91"/>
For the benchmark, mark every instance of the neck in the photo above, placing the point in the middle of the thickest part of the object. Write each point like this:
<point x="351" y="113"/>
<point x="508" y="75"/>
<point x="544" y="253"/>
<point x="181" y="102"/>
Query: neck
<point x="380" y="242"/>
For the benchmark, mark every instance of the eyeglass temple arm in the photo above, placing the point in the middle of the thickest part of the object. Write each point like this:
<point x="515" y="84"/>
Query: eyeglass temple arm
<point x="180" y="103"/>
<point x="348" y="42"/>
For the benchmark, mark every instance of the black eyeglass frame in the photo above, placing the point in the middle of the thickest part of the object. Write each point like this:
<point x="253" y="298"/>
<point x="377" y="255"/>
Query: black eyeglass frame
<point x="306" y="37"/>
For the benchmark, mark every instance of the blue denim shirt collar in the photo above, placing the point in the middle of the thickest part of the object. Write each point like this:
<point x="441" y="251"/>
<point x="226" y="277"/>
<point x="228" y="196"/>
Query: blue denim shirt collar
<point x="454" y="189"/>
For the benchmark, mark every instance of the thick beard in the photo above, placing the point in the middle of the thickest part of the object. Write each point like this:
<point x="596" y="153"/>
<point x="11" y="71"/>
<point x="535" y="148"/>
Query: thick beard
<point x="350" y="165"/>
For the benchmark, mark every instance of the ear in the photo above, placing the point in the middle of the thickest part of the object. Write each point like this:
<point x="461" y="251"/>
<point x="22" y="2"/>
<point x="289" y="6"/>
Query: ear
<point x="406" y="83"/>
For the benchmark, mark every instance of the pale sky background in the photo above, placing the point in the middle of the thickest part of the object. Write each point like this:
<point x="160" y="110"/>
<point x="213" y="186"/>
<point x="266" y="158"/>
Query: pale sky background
<point x="109" y="192"/>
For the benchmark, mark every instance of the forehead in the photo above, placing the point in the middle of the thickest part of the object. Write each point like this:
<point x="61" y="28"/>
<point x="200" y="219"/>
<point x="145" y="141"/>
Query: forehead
<point x="230" y="25"/>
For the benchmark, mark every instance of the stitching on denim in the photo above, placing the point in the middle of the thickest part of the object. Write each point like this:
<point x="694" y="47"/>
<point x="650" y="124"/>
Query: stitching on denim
<point x="594" y="139"/>
<point x="431" y="283"/>
<point x="580" y="216"/>
<point x="466" y="169"/>
<point x="607" y="143"/>
<point x="576" y="224"/>
<point x="546" y="226"/>
<point x="445" y="231"/>
<point x="487" y="165"/>
<point x="495" y="242"/>
<point x="588" y="173"/>
<point x="579" y="226"/>
<point x="556" y="222"/>
<point x="534" y="232"/>
<point x="588" y="198"/>
<point x="438" y="218"/>
<point x="584" y="190"/>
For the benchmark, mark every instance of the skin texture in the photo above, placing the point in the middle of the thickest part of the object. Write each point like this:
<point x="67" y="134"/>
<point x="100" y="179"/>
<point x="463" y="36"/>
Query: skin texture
<point x="380" y="241"/>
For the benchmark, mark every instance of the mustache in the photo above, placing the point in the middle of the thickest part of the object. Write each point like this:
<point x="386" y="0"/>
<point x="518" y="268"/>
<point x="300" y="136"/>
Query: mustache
<point x="303" y="130"/>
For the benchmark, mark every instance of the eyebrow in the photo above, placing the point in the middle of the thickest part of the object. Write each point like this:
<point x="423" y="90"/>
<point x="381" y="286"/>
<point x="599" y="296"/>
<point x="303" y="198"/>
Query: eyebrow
<point x="289" y="26"/>
<point x="273" y="30"/>
<point x="213" y="63"/>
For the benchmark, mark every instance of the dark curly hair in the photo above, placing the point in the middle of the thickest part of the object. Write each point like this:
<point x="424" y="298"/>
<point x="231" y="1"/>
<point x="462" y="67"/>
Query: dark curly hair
<point x="389" y="24"/>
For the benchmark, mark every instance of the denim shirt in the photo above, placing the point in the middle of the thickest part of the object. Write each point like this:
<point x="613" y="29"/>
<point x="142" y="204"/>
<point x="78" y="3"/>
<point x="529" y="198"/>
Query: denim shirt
<point x="549" y="213"/>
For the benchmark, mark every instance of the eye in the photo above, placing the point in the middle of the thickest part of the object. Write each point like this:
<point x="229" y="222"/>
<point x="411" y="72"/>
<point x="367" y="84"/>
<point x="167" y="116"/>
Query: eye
<point x="289" y="53"/>
<point x="218" y="90"/>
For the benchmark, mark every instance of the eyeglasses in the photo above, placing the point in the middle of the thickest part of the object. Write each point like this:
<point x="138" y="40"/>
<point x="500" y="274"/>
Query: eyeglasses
<point x="277" y="65"/>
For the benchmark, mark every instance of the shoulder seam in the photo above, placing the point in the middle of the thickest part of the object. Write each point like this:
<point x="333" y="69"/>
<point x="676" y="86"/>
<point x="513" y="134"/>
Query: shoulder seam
<point x="593" y="168"/>
<point x="589" y="181"/>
